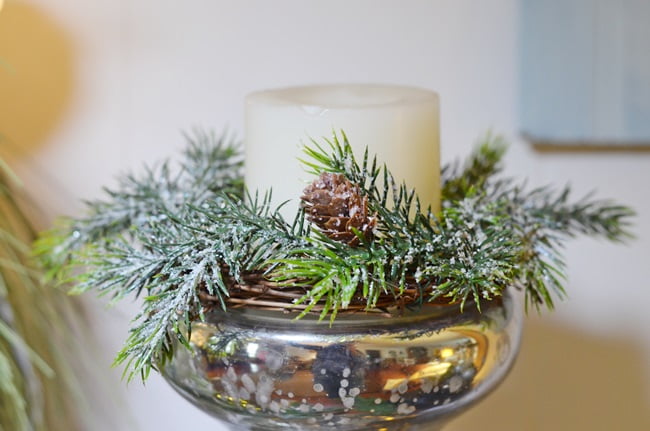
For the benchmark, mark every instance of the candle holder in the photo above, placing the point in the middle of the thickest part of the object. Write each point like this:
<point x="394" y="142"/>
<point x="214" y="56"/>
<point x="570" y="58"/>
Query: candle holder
<point x="369" y="309"/>
<point x="260" y="370"/>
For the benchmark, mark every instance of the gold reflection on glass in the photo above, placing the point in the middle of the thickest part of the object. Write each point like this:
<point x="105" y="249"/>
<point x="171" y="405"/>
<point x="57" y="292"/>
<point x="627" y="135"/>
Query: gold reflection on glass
<point x="446" y="352"/>
<point x="431" y="371"/>
<point x="199" y="338"/>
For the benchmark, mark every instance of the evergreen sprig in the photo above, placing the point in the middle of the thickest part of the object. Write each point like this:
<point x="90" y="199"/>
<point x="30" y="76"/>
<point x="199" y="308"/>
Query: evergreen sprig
<point x="543" y="219"/>
<point x="171" y="238"/>
<point x="465" y="253"/>
<point x="481" y="167"/>
<point x="209" y="165"/>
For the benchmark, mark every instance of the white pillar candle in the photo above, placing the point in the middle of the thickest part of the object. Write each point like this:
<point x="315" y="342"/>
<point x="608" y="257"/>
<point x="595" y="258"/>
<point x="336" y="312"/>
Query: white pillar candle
<point x="400" y="125"/>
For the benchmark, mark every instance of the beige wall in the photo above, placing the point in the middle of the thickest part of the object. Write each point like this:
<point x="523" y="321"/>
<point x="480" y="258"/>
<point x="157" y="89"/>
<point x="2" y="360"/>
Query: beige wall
<point x="95" y="88"/>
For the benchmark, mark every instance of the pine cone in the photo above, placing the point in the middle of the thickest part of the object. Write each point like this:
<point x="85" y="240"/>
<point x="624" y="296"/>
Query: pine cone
<point x="337" y="206"/>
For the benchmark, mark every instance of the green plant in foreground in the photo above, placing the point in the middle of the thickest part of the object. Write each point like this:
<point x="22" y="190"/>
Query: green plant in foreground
<point x="177" y="239"/>
<point x="37" y="384"/>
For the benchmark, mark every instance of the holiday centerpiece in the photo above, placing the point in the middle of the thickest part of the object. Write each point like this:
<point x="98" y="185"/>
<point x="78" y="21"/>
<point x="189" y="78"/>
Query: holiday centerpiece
<point x="360" y="303"/>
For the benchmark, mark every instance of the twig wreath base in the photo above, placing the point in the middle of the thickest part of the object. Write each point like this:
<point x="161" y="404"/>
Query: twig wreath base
<point x="258" y="292"/>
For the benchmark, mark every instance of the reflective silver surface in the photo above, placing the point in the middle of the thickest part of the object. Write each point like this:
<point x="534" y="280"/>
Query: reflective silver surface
<point x="260" y="370"/>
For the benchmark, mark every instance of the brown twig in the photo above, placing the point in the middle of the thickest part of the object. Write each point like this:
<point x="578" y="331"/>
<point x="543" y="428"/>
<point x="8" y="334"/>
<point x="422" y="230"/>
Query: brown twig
<point x="255" y="291"/>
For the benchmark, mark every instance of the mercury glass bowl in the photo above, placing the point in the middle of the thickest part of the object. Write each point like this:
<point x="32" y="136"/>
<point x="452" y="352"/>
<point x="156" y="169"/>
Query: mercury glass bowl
<point x="262" y="370"/>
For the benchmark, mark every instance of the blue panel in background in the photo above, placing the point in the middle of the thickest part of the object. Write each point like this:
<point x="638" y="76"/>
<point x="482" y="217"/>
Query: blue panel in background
<point x="585" y="71"/>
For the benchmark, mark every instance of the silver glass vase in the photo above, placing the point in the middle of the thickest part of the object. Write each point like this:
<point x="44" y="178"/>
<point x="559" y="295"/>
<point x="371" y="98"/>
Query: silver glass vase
<point x="262" y="370"/>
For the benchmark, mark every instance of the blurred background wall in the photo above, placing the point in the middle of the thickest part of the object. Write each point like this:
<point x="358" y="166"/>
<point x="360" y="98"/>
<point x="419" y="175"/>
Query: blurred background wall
<point x="90" y="89"/>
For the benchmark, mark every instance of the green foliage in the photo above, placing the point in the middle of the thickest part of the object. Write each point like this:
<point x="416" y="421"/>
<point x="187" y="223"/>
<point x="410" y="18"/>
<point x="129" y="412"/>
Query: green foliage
<point x="223" y="238"/>
<point x="38" y="389"/>
<point x="478" y="170"/>
<point x="170" y="238"/>
<point x="208" y="165"/>
<point x="464" y="251"/>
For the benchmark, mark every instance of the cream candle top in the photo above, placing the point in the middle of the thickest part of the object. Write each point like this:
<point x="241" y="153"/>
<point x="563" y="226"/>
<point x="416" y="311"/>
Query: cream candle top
<point x="398" y="124"/>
